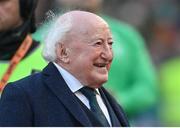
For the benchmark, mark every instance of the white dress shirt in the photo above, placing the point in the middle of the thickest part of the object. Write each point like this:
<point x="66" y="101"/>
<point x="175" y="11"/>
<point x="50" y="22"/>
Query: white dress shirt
<point x="75" y="85"/>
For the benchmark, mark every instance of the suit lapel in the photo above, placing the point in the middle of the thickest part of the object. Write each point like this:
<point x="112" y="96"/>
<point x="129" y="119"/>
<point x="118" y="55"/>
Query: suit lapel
<point x="58" y="86"/>
<point x="116" y="108"/>
<point x="115" y="122"/>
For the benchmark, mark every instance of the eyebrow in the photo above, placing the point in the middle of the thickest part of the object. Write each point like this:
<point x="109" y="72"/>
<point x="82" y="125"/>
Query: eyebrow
<point x="100" y="38"/>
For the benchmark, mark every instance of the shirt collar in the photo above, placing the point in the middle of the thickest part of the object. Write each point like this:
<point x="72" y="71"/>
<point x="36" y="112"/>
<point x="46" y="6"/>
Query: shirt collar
<point x="73" y="83"/>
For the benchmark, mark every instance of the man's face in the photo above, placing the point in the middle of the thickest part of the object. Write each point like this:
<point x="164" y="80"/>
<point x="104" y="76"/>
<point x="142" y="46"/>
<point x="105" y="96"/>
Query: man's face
<point x="90" y="54"/>
<point x="9" y="14"/>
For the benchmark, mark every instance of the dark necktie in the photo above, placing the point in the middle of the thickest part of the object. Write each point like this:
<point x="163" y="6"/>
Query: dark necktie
<point x="90" y="94"/>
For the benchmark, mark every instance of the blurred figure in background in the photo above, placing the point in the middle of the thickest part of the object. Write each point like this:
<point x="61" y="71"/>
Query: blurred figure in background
<point x="169" y="110"/>
<point x="165" y="49"/>
<point x="132" y="79"/>
<point x="19" y="53"/>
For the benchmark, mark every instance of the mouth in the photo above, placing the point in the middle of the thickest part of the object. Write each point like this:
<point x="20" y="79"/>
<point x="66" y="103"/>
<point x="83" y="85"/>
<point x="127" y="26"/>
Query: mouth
<point x="101" y="68"/>
<point x="101" y="65"/>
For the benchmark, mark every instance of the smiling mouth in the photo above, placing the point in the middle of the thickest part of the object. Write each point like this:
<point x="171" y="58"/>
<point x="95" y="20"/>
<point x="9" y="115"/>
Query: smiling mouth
<point x="100" y="65"/>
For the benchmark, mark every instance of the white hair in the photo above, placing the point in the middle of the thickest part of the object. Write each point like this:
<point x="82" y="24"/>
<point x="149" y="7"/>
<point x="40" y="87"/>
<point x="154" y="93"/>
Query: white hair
<point x="60" y="27"/>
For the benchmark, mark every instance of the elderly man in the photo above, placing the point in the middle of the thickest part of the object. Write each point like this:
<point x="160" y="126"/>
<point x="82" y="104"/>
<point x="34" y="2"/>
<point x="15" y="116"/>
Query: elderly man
<point x="132" y="73"/>
<point x="68" y="92"/>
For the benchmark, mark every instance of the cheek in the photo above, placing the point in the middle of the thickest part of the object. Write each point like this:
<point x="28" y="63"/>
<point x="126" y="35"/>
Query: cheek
<point x="83" y="59"/>
<point x="85" y="55"/>
<point x="84" y="64"/>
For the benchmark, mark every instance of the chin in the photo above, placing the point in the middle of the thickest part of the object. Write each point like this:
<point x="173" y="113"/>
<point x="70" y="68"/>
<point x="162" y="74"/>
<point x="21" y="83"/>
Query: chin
<point x="103" y="78"/>
<point x="100" y="82"/>
<point x="96" y="80"/>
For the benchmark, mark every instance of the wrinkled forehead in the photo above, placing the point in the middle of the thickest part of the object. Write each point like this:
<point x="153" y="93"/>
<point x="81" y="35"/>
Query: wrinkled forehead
<point x="90" y="22"/>
<point x="90" y="27"/>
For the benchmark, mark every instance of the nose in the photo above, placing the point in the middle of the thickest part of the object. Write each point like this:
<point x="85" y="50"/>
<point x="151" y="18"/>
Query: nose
<point x="107" y="53"/>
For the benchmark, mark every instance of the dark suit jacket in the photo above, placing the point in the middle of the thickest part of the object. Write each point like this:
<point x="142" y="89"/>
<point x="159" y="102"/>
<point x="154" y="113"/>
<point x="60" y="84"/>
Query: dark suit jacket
<point x="44" y="99"/>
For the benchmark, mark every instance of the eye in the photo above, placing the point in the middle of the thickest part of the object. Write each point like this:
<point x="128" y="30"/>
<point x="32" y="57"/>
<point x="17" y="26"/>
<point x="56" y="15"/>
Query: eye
<point x="98" y="43"/>
<point x="110" y="43"/>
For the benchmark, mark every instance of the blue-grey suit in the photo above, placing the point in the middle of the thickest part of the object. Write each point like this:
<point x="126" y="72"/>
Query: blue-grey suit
<point x="44" y="99"/>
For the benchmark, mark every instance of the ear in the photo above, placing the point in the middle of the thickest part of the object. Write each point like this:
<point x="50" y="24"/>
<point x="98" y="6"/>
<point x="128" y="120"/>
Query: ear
<point x="62" y="53"/>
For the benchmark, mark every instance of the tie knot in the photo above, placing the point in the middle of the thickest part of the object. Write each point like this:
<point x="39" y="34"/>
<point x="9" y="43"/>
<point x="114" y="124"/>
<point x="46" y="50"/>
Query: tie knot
<point x="88" y="92"/>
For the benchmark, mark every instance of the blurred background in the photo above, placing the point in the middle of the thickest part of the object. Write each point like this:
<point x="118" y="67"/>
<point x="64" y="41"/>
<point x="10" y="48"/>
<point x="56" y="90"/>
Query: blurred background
<point x="158" y="22"/>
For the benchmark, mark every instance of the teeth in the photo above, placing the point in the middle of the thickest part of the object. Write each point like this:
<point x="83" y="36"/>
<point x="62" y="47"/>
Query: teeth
<point x="101" y="65"/>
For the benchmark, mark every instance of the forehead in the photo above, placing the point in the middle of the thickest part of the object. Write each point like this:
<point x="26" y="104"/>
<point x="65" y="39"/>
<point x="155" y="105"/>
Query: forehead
<point x="99" y="31"/>
<point x="85" y="24"/>
<point x="91" y="28"/>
